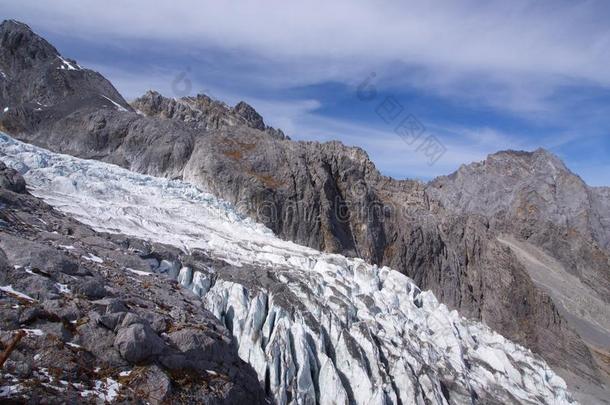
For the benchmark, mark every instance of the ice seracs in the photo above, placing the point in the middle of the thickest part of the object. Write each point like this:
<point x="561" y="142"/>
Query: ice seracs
<point x="316" y="327"/>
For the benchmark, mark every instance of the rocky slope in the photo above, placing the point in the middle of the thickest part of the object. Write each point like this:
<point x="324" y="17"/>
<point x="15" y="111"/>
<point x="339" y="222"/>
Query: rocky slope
<point x="316" y="327"/>
<point x="102" y="329"/>
<point x="331" y="197"/>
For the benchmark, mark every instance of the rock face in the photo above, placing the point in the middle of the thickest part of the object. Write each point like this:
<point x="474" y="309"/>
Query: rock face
<point x="316" y="327"/>
<point x="331" y="197"/>
<point x="96" y="331"/>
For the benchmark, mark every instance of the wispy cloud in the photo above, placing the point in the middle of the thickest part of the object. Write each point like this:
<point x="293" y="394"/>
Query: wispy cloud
<point x="542" y="62"/>
<point x="569" y="39"/>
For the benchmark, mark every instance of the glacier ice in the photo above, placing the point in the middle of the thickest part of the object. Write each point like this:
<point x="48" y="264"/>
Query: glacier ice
<point x="316" y="327"/>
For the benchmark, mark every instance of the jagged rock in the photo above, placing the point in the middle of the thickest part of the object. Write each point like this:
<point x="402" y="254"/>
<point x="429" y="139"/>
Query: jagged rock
<point x="11" y="180"/>
<point x="247" y="112"/>
<point x="202" y="113"/>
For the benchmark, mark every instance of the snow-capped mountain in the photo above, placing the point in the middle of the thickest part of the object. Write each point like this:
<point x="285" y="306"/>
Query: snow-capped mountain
<point x="316" y="327"/>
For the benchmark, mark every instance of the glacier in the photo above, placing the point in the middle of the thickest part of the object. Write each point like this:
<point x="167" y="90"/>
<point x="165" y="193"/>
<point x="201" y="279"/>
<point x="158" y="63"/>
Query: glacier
<point x="316" y="327"/>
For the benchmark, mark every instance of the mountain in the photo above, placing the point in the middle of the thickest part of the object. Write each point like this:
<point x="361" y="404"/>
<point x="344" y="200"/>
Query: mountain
<point x="316" y="327"/>
<point x="484" y="240"/>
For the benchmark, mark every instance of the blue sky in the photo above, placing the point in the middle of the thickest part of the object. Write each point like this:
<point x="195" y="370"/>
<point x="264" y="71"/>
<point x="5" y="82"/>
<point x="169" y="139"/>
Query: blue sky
<point x="477" y="77"/>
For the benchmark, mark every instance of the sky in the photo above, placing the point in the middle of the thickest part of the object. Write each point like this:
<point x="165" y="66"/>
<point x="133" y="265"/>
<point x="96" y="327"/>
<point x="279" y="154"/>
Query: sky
<point x="423" y="87"/>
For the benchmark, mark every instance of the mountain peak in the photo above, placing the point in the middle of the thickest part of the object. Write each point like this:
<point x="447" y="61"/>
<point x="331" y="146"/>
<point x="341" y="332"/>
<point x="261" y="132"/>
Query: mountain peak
<point x="203" y="112"/>
<point x="247" y="112"/>
<point x="14" y="25"/>
<point x="21" y="48"/>
<point x="539" y="160"/>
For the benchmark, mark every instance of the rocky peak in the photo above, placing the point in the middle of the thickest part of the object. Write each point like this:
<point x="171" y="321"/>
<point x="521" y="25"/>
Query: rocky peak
<point x="21" y="48"/>
<point x="38" y="86"/>
<point x="203" y="112"/>
<point x="540" y="161"/>
<point x="530" y="186"/>
<point x="247" y="112"/>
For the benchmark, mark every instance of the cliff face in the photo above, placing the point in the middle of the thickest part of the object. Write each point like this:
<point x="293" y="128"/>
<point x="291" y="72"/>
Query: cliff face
<point x="449" y="235"/>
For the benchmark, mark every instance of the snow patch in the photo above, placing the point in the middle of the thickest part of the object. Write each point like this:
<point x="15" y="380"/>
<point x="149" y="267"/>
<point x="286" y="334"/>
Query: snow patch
<point x="8" y="391"/>
<point x="74" y="345"/>
<point x="62" y="288"/>
<point x="67" y="65"/>
<point x="10" y="290"/>
<point x="106" y="390"/>
<point x="139" y="272"/>
<point x="34" y="332"/>
<point x="117" y="105"/>
<point x="93" y="258"/>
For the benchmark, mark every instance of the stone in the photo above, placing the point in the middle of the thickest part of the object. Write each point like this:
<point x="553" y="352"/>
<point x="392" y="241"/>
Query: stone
<point x="91" y="288"/>
<point x="11" y="180"/>
<point x="138" y="343"/>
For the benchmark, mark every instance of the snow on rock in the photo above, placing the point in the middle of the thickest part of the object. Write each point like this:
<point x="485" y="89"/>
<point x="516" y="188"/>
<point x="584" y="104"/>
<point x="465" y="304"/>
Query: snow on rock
<point x="93" y="258"/>
<point x="67" y="65"/>
<point x="34" y="332"/>
<point x="62" y="288"/>
<point x="139" y="272"/>
<point x="117" y="105"/>
<point x="10" y="290"/>
<point x="316" y="327"/>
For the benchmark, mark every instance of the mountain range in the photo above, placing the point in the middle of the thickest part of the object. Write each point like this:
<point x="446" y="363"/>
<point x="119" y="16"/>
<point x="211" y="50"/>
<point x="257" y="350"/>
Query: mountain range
<point x="516" y="242"/>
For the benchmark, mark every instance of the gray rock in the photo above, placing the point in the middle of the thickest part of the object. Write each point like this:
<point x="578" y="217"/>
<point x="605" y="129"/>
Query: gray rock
<point x="91" y="288"/>
<point x="203" y="113"/>
<point x="11" y="180"/>
<point x="153" y="385"/>
<point x="138" y="342"/>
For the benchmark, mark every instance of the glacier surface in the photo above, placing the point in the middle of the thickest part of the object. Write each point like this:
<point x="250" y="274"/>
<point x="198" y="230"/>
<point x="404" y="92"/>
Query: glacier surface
<point x="316" y="327"/>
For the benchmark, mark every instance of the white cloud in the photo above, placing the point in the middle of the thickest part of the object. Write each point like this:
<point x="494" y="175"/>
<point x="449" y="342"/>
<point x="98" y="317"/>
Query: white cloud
<point x="517" y="38"/>
<point x="510" y="56"/>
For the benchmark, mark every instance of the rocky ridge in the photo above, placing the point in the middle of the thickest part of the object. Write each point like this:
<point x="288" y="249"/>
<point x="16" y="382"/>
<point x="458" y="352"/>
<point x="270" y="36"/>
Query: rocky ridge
<point x="203" y="112"/>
